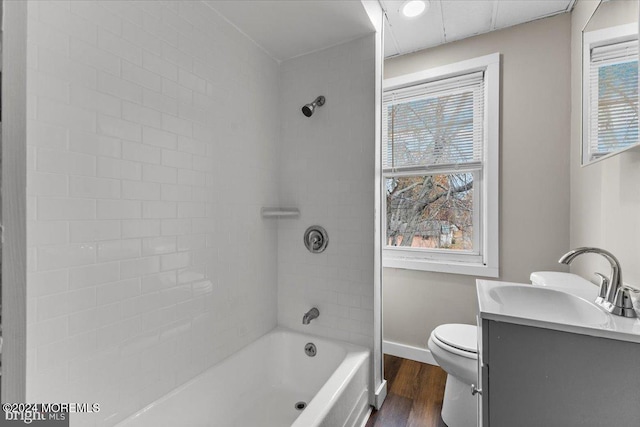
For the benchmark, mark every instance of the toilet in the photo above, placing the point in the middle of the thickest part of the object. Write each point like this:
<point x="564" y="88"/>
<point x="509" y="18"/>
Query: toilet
<point x="455" y="348"/>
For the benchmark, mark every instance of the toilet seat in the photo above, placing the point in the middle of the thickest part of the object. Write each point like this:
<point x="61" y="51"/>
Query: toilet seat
<point x="458" y="339"/>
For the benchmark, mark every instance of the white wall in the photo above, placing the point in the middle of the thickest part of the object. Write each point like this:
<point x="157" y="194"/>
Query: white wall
<point x="534" y="174"/>
<point x="327" y="170"/>
<point x="605" y="196"/>
<point x="152" y="145"/>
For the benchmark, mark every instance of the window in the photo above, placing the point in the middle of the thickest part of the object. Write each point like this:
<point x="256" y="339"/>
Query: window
<point x="440" y="169"/>
<point x="610" y="91"/>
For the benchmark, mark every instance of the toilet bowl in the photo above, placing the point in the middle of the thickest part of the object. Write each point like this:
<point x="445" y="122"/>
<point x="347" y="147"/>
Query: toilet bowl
<point x="454" y="347"/>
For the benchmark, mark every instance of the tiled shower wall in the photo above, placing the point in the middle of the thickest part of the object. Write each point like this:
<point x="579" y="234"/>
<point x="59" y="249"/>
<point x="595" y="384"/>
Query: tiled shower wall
<point x="327" y="171"/>
<point x="152" y="145"/>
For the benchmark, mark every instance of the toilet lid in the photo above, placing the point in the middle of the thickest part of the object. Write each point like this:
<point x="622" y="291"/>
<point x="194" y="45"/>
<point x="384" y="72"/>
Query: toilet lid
<point x="462" y="337"/>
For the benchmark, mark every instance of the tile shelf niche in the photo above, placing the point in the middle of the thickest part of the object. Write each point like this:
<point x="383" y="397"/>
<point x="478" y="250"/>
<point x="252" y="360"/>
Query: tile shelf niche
<point x="280" y="212"/>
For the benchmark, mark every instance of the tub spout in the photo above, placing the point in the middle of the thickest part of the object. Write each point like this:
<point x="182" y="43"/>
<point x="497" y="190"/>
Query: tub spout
<point x="310" y="315"/>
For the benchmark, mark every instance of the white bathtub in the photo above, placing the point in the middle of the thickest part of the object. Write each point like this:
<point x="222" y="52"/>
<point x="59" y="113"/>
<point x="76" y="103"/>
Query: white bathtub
<point x="260" y="385"/>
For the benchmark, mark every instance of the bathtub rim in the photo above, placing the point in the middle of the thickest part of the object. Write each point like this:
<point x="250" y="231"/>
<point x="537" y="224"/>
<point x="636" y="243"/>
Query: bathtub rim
<point x="355" y="353"/>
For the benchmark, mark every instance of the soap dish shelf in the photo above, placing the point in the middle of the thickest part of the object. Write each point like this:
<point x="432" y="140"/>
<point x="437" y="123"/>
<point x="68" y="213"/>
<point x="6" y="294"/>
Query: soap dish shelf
<point x="280" y="212"/>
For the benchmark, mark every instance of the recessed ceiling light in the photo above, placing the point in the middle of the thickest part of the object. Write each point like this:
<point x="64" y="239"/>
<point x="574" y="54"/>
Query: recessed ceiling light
<point x="413" y="8"/>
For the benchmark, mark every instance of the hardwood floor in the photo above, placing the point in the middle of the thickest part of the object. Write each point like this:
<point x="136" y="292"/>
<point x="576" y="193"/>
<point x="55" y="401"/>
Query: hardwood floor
<point x="414" y="396"/>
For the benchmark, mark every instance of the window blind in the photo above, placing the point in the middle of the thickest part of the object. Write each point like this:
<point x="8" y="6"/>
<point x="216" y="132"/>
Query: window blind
<point x="434" y="124"/>
<point x="613" y="100"/>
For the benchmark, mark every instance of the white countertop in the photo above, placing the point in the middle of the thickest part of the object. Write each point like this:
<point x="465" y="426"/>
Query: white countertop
<point x="613" y="327"/>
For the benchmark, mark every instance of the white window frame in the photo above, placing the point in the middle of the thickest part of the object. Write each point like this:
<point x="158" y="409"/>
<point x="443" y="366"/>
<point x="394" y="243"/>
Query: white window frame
<point x="593" y="39"/>
<point x="485" y="262"/>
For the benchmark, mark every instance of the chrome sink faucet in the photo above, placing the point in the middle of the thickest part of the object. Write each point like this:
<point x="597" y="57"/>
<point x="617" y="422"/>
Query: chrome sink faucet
<point x="310" y="315"/>
<point x="613" y="296"/>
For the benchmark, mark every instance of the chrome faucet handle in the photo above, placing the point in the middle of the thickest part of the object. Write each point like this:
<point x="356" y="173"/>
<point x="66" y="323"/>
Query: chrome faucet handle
<point x="622" y="304"/>
<point x="604" y="288"/>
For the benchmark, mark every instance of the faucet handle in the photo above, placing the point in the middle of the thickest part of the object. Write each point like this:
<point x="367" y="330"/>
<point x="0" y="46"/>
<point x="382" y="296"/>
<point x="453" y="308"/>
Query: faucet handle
<point x="604" y="288"/>
<point x="622" y="304"/>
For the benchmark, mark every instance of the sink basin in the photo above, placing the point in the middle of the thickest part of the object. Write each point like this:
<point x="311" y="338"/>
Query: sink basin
<point x="548" y="304"/>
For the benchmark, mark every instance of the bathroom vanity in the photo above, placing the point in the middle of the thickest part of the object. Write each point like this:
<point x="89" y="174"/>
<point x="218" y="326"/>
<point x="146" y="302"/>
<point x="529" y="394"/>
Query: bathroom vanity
<point x="550" y="358"/>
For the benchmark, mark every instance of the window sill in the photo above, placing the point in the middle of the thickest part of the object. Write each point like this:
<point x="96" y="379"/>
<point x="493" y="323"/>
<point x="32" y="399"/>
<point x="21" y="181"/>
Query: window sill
<point x="468" y="269"/>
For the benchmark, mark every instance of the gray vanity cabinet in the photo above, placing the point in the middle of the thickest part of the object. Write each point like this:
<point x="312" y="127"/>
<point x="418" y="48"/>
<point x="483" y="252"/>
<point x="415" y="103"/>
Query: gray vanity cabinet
<point x="535" y="377"/>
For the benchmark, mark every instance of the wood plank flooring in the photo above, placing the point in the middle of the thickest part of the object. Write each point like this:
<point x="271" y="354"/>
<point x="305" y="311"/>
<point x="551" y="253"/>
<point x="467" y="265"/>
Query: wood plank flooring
<point x="414" y="395"/>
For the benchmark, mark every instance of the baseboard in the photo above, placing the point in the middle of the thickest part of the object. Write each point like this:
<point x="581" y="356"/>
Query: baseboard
<point x="408" y="352"/>
<point x="381" y="394"/>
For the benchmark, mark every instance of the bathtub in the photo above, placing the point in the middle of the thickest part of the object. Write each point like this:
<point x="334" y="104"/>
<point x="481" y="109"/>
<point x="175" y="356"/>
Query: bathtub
<point x="261" y="384"/>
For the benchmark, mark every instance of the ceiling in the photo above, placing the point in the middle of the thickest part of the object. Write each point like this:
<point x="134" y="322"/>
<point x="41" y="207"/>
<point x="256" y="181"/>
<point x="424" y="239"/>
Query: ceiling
<point x="286" y="29"/>
<point x="449" y="20"/>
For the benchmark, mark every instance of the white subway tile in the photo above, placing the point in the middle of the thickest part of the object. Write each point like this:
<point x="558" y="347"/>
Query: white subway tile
<point x="176" y="125"/>
<point x="58" y="65"/>
<point x="65" y="115"/>
<point x="159" y="209"/>
<point x="49" y="331"/>
<point x="52" y="257"/>
<point x="140" y="228"/>
<point x="191" y="81"/>
<point x="48" y="86"/>
<point x="159" y="102"/>
<point x="119" y="88"/>
<point x="136" y="35"/>
<point x="190" y="242"/>
<point x="159" y="138"/>
<point x="47" y="282"/>
<point x="118" y="250"/>
<point x="88" y="54"/>
<point x="141" y="153"/>
<point x="48" y="136"/>
<point x="46" y="233"/>
<point x="139" y="267"/>
<point x="177" y="159"/>
<point x="158" y="245"/>
<point x="92" y="100"/>
<point x="54" y="14"/>
<point x="119" y="128"/>
<point x="118" y="209"/>
<point x="47" y="184"/>
<point x="191" y="210"/>
<point x="117" y="291"/>
<point x="97" y="15"/>
<point x="175" y="261"/>
<point x="159" y="282"/>
<point x="189" y="177"/>
<point x="65" y="162"/>
<point x="172" y="227"/>
<point x="154" y="26"/>
<point x="142" y="115"/>
<point x="179" y="193"/>
<point x="161" y="174"/>
<point x="91" y="275"/>
<point x="159" y="66"/>
<point x="118" y="46"/>
<point x="92" y="231"/>
<point x="134" y="190"/>
<point x="50" y="208"/>
<point x="141" y="76"/>
<point x="91" y="143"/>
<point x="119" y="169"/>
<point x="96" y="188"/>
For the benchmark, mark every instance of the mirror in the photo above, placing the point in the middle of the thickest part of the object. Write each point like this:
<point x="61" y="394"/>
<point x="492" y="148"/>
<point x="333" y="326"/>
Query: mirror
<point x="610" y="80"/>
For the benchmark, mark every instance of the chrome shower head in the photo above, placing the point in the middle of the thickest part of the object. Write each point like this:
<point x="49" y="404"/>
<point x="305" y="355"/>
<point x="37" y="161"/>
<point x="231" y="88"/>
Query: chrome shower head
<point x="308" y="109"/>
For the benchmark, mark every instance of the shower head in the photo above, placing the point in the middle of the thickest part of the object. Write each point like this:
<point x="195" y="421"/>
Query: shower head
<point x="308" y="109"/>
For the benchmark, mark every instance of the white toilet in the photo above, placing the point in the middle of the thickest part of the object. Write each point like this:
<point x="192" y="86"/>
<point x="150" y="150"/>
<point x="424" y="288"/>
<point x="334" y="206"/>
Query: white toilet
<point x="455" y="348"/>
